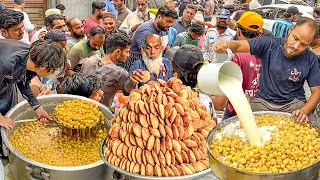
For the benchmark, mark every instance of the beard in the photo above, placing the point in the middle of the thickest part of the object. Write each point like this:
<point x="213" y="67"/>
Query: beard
<point x="284" y="49"/>
<point x="153" y="65"/>
<point x="222" y="26"/>
<point x="91" y="48"/>
<point x="100" y="15"/>
<point x="142" y="14"/>
<point x="79" y="36"/>
<point x="161" y="26"/>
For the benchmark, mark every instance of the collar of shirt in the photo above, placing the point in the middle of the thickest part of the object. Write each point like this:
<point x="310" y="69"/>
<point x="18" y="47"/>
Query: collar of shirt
<point x="228" y="31"/>
<point x="122" y="11"/>
<point x="181" y="22"/>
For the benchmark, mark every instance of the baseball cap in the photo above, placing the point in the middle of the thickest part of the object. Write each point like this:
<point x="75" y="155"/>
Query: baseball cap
<point x="251" y="21"/>
<point x="317" y="10"/>
<point x="224" y="13"/>
<point x="187" y="58"/>
<point x="52" y="11"/>
<point x="293" y="10"/>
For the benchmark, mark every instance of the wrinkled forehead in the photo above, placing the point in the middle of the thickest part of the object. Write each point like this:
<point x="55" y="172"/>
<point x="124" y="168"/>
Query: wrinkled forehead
<point x="153" y="41"/>
<point x="304" y="33"/>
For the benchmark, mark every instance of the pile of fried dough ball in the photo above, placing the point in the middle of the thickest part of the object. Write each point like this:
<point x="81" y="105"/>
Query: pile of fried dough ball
<point x="161" y="131"/>
<point x="78" y="114"/>
<point x="293" y="146"/>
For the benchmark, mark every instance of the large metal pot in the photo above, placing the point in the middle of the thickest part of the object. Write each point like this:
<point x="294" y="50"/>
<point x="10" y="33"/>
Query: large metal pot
<point x="225" y="172"/>
<point x="205" y="173"/>
<point x="23" y="168"/>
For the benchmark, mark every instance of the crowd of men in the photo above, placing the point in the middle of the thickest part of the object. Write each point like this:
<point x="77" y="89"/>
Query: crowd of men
<point x="109" y="52"/>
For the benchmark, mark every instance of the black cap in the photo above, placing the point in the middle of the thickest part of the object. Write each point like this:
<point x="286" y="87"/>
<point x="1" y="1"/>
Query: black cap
<point x="188" y="58"/>
<point x="293" y="10"/>
<point x="317" y="10"/>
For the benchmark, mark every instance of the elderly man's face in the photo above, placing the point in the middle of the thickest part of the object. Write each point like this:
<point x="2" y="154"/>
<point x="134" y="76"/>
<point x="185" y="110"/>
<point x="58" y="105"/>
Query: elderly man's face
<point x="298" y="40"/>
<point x="153" y="48"/>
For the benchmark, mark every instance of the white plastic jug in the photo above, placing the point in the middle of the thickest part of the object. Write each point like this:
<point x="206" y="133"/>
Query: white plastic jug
<point x="208" y="76"/>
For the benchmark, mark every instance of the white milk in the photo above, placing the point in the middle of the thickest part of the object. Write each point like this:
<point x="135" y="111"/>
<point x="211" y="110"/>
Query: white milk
<point x="232" y="88"/>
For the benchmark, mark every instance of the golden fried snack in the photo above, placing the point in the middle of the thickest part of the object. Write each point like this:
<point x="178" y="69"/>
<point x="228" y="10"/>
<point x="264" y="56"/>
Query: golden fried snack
<point x="146" y="76"/>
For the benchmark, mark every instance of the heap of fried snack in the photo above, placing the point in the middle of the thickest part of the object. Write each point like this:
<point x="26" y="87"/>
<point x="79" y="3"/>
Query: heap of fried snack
<point x="161" y="131"/>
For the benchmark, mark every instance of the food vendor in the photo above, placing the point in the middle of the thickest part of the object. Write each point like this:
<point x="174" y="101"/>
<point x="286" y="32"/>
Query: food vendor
<point x="19" y="64"/>
<point x="286" y="64"/>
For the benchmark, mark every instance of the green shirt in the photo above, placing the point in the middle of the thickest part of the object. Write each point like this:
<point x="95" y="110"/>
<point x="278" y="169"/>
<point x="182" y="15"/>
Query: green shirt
<point x="184" y="38"/>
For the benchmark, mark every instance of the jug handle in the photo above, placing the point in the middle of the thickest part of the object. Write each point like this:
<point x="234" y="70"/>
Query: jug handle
<point x="230" y="54"/>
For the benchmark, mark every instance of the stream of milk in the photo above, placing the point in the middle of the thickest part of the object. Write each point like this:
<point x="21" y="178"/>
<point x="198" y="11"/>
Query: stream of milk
<point x="232" y="88"/>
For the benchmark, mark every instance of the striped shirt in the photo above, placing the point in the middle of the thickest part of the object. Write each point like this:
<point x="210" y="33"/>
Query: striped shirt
<point x="280" y="29"/>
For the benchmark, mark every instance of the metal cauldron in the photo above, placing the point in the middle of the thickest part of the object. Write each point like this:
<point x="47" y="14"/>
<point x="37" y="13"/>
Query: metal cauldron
<point x="23" y="168"/>
<point x="140" y="177"/>
<point x="225" y="172"/>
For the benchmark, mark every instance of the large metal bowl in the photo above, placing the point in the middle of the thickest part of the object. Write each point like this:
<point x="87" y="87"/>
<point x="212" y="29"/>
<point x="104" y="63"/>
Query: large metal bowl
<point x="140" y="177"/>
<point x="23" y="168"/>
<point x="225" y="172"/>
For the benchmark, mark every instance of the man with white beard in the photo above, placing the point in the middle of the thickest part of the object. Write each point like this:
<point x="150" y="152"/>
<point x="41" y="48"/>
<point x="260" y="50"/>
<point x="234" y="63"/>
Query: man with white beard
<point x="152" y="61"/>
<point x="136" y="18"/>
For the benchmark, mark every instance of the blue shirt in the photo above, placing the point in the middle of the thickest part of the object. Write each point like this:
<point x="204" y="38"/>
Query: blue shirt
<point x="140" y="35"/>
<point x="282" y="78"/>
<point x="172" y="35"/>
<point x="281" y="28"/>
<point x="139" y="64"/>
<point x="110" y="7"/>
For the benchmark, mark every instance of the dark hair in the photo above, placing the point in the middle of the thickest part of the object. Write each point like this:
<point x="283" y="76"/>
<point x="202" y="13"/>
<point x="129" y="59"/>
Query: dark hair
<point x="48" y="21"/>
<point x="110" y="15"/>
<point x="97" y="30"/>
<point x="97" y="5"/>
<point x="69" y="24"/>
<point x="311" y="23"/>
<point x="117" y="41"/>
<point x="10" y="18"/>
<point x="230" y="8"/>
<point x="247" y="33"/>
<point x="197" y="27"/>
<point x="18" y="2"/>
<point x="81" y="84"/>
<point x="166" y="11"/>
<point x="192" y="6"/>
<point x="55" y="35"/>
<point x="60" y="7"/>
<point x="47" y="54"/>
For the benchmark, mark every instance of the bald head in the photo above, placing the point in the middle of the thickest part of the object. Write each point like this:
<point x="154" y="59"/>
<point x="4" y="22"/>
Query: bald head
<point x="152" y="38"/>
<point x="76" y="28"/>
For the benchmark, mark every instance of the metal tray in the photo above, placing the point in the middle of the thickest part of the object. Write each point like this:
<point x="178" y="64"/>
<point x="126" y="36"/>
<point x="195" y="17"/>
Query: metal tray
<point x="140" y="177"/>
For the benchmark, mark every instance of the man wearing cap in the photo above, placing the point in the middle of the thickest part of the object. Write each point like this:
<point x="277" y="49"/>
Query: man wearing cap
<point x="183" y="23"/>
<point x="281" y="28"/>
<point x="220" y="32"/>
<point x="286" y="65"/>
<point x="316" y="14"/>
<point x="159" y="67"/>
<point x="249" y="26"/>
<point x="186" y="63"/>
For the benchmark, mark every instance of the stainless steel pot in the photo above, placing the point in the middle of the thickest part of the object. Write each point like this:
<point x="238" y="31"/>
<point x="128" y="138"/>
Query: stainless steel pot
<point x="23" y="168"/>
<point x="225" y="172"/>
<point x="140" y="177"/>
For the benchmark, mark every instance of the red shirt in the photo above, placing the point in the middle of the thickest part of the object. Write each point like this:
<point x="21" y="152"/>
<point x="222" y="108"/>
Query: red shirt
<point x="250" y="66"/>
<point x="90" y="23"/>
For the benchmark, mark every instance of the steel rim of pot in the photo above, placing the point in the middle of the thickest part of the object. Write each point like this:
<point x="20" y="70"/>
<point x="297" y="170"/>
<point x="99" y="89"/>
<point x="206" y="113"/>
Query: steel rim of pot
<point x="233" y="119"/>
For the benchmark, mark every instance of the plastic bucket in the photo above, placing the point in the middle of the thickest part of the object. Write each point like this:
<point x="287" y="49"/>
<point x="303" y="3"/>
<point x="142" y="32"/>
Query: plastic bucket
<point x="208" y="76"/>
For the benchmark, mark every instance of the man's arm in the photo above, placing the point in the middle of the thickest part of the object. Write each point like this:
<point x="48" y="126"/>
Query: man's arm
<point x="179" y="41"/>
<point x="312" y="101"/>
<point x="234" y="46"/>
<point x="27" y="93"/>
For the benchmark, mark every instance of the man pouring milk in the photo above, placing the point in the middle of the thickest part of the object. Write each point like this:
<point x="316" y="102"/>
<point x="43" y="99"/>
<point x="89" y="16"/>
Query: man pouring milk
<point x="286" y="65"/>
